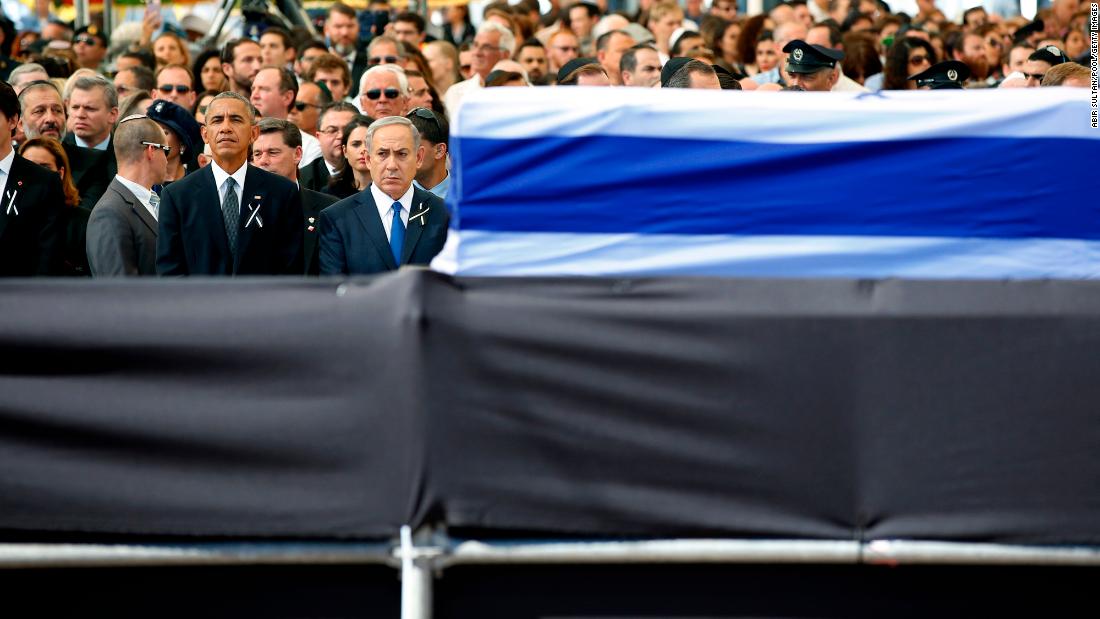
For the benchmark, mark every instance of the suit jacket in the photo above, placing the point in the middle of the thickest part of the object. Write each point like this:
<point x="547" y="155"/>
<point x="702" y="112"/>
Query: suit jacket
<point x="92" y="170"/>
<point x="353" y="240"/>
<point x="314" y="176"/>
<point x="32" y="226"/>
<point x="357" y="70"/>
<point x="191" y="239"/>
<point x="313" y="202"/>
<point x="122" y="235"/>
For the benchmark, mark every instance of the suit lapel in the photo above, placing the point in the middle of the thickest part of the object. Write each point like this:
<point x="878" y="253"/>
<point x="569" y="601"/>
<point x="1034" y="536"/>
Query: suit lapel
<point x="209" y="201"/>
<point x="416" y="225"/>
<point x="247" y="223"/>
<point x="14" y="187"/>
<point x="367" y="212"/>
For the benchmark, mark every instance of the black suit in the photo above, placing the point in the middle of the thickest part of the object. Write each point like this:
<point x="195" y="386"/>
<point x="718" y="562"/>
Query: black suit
<point x="122" y="235"/>
<point x="313" y="202"/>
<point x="31" y="221"/>
<point x="314" y="176"/>
<point x="92" y="170"/>
<point x="191" y="239"/>
<point x="353" y="239"/>
<point x="357" y="70"/>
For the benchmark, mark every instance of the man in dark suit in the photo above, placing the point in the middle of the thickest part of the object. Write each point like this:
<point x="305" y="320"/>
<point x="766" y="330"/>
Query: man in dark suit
<point x="341" y="31"/>
<point x="333" y="119"/>
<point x="122" y="231"/>
<point x="393" y="222"/>
<point x="230" y="218"/>
<point x="278" y="149"/>
<point x="31" y="203"/>
<point x="92" y="112"/>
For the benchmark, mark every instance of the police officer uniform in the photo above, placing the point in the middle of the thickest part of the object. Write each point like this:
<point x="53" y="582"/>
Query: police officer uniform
<point x="950" y="74"/>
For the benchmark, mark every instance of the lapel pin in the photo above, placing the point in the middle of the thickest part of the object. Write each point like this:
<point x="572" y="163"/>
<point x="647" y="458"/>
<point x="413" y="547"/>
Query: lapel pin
<point x="423" y="212"/>
<point x="310" y="220"/>
<point x="310" y="229"/>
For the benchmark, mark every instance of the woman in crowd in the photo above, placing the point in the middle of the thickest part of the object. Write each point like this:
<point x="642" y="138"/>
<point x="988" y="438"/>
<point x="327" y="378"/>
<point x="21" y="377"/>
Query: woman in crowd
<point x="860" y="56"/>
<point x="767" y="55"/>
<point x="721" y="36"/>
<point x="134" y="103"/>
<point x="459" y="29"/>
<point x="746" y="42"/>
<point x="354" y="175"/>
<point x="907" y="56"/>
<point x="48" y="153"/>
<point x="201" y="103"/>
<point x="169" y="48"/>
<point x="208" y="72"/>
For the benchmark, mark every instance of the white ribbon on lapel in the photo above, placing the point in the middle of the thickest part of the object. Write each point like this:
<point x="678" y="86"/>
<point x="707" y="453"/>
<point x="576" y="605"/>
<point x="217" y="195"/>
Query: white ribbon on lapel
<point x="421" y="214"/>
<point x="11" y="203"/>
<point x="255" y="215"/>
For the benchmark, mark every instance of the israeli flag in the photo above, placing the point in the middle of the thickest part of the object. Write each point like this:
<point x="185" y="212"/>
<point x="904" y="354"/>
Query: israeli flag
<point x="628" y="181"/>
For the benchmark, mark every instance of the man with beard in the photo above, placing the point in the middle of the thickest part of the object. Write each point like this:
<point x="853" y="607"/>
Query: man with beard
<point x="532" y="55"/>
<point x="969" y="49"/>
<point x="43" y="113"/>
<point x="241" y="61"/>
<point x="341" y="32"/>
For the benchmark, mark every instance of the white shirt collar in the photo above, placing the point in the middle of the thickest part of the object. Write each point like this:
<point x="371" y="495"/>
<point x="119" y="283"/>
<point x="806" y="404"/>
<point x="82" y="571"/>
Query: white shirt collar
<point x="5" y="163"/>
<point x="101" y="146"/>
<point x="385" y="203"/>
<point x="141" y="193"/>
<point x="221" y="175"/>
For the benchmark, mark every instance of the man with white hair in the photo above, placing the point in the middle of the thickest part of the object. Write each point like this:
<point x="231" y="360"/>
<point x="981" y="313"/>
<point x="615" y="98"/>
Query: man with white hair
<point x="492" y="44"/>
<point x="25" y="74"/>
<point x="384" y="91"/>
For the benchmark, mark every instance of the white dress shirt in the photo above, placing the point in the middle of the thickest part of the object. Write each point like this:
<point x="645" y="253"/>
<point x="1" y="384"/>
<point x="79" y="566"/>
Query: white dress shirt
<point x="311" y="149"/>
<point x="5" y="172"/>
<point x="384" y="203"/>
<point x="141" y="193"/>
<point x="220" y="176"/>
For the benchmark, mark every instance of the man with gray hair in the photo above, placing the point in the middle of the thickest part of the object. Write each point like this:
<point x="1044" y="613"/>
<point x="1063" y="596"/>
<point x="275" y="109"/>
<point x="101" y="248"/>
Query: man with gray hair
<point x="230" y="218"/>
<point x="384" y="91"/>
<point x="122" y="231"/>
<point x="92" y="112"/>
<point x="392" y="223"/>
<point x="492" y="44"/>
<point x="42" y="111"/>
<point x="25" y="74"/>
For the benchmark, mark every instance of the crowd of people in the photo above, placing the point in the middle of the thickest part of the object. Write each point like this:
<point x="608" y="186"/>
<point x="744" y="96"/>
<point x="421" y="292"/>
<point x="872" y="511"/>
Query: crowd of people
<point x="145" y="153"/>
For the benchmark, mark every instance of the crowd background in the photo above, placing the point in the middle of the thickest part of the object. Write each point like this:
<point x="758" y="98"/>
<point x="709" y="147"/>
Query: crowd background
<point x="317" y="97"/>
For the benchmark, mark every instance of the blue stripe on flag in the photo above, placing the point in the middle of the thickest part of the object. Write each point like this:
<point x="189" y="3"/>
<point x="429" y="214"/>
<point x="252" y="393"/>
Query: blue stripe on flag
<point x="962" y="187"/>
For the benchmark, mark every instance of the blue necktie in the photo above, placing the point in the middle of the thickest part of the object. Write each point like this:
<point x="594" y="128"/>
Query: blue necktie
<point x="397" y="234"/>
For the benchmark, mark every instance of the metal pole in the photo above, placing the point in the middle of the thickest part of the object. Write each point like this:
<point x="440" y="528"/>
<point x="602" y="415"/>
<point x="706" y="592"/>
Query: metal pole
<point x="416" y="580"/>
<point x="220" y="18"/>
<point x="108" y="18"/>
<point x="81" y="7"/>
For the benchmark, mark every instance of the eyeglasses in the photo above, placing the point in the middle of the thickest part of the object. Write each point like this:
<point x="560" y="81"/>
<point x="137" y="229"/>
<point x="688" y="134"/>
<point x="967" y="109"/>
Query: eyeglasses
<point x="426" y="114"/>
<point x="167" y="149"/>
<point x="86" y="40"/>
<point x="202" y="109"/>
<point x="382" y="59"/>
<point x="1038" y="77"/>
<point x="121" y="89"/>
<point x="330" y="130"/>
<point x="180" y="88"/>
<point x="374" y="93"/>
<point x="918" y="59"/>
<point x="302" y="105"/>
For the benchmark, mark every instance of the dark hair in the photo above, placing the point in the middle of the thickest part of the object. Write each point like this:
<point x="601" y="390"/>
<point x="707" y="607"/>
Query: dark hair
<point x="750" y="32"/>
<point x="329" y="62"/>
<point x="500" y="78"/>
<point x="229" y="52"/>
<point x="411" y="18"/>
<point x="284" y="36"/>
<point x="435" y="131"/>
<point x="200" y="97"/>
<point x="9" y="102"/>
<point x="678" y="46"/>
<point x="605" y="39"/>
<point x="342" y="9"/>
<point x="575" y="75"/>
<point x="860" y="56"/>
<point x="292" y="135"/>
<point x="313" y="44"/>
<point x="343" y="183"/>
<point x="895" y="75"/>
<point x="337" y="106"/>
<point x="682" y="77"/>
<point x="835" y="36"/>
<point x="287" y="81"/>
<point x="145" y="58"/>
<point x="196" y="67"/>
<point x="967" y="12"/>
<point x="532" y="42"/>
<point x="629" y="60"/>
<point x="61" y="160"/>
<point x="145" y="78"/>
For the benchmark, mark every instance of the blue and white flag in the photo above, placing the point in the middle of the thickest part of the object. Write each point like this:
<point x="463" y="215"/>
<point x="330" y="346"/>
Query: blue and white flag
<point x="628" y="181"/>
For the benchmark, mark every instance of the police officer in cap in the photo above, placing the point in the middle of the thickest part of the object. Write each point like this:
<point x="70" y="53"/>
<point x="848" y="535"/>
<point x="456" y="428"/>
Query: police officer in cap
<point x="950" y="74"/>
<point x="812" y="67"/>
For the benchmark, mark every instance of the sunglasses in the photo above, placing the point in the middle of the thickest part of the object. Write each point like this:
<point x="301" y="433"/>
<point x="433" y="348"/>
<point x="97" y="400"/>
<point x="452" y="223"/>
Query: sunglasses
<point x="180" y="88"/>
<point x="382" y="60"/>
<point x="1036" y="76"/>
<point x="374" y="93"/>
<point x="86" y="40"/>
<point x="918" y="59"/>
<point x="302" y="105"/>
<point x="167" y="149"/>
